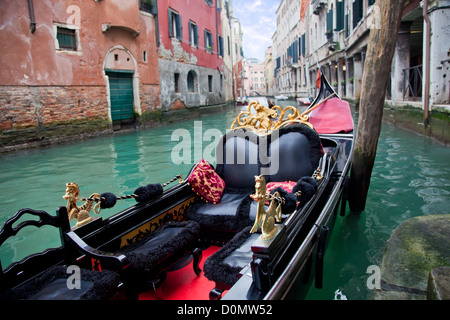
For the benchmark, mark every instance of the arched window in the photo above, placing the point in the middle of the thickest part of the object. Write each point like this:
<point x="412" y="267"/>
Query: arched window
<point x="192" y="81"/>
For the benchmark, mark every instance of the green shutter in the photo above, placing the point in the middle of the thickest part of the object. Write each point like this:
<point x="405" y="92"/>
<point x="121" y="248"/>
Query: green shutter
<point x="196" y="36"/>
<point x="330" y="21"/>
<point x="340" y="15"/>
<point x="179" y="27"/>
<point x="190" y="33"/>
<point x="170" y="23"/>
<point x="303" y="44"/>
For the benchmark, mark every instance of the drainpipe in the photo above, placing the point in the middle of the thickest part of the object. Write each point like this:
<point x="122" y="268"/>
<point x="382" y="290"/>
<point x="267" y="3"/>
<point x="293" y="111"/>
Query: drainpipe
<point x="32" y="19"/>
<point x="426" y="96"/>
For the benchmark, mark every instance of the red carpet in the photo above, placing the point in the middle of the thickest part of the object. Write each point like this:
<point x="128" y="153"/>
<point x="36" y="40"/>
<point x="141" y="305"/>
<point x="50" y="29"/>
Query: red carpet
<point x="183" y="284"/>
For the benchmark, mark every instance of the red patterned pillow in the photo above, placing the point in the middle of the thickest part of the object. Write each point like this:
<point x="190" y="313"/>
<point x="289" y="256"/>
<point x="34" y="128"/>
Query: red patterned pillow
<point x="287" y="185"/>
<point x="206" y="183"/>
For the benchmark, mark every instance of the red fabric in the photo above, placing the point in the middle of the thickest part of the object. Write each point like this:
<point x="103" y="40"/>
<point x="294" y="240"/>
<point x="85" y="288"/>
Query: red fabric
<point x="183" y="284"/>
<point x="333" y="116"/>
<point x="206" y="182"/>
<point x="288" y="186"/>
<point x="318" y="79"/>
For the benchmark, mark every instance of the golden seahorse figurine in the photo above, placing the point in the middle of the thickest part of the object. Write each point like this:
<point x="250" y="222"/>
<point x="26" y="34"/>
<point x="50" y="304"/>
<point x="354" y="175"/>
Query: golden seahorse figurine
<point x="81" y="214"/>
<point x="265" y="219"/>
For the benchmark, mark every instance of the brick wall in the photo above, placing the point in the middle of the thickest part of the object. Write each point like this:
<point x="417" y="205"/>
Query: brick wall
<point x="149" y="96"/>
<point x="27" y="107"/>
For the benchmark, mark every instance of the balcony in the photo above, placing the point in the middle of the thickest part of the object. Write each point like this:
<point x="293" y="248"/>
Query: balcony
<point x="318" y="6"/>
<point x="124" y="16"/>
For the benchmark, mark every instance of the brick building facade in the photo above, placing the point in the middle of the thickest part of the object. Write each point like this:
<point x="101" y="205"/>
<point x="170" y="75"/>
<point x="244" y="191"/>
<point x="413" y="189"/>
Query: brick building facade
<point x="76" y="61"/>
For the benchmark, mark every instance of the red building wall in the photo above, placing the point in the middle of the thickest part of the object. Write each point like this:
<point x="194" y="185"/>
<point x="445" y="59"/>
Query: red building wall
<point x="40" y="84"/>
<point x="205" y="16"/>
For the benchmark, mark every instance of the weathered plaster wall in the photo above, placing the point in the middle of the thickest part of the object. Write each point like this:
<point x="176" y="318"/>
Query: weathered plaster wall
<point x="200" y="97"/>
<point x="40" y="84"/>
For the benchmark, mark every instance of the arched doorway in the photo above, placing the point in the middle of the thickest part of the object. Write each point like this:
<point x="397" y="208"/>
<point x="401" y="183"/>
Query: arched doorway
<point x="122" y="83"/>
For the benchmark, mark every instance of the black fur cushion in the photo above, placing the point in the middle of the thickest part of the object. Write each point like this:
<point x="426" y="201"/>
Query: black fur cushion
<point x="169" y="240"/>
<point x="217" y="270"/>
<point x="95" y="285"/>
<point x="233" y="218"/>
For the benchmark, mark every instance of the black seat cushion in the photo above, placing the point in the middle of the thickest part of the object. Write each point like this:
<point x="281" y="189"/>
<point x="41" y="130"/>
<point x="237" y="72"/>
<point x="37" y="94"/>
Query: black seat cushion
<point x="224" y="265"/>
<point x="52" y="285"/>
<point x="288" y="154"/>
<point x="230" y="214"/>
<point x="169" y="240"/>
<point x="239" y="162"/>
<point x="298" y="151"/>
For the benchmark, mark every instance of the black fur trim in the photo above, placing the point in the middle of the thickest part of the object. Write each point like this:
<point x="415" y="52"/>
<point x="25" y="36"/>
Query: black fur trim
<point x="307" y="186"/>
<point x="104" y="284"/>
<point x="142" y="194"/>
<point x="108" y="200"/>
<point x="140" y="261"/>
<point x="290" y="202"/>
<point x="149" y="192"/>
<point x="214" y="268"/>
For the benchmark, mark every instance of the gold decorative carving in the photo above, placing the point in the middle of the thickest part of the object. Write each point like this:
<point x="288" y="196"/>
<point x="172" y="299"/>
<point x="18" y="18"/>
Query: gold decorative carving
<point x="264" y="120"/>
<point x="82" y="213"/>
<point x="266" y="219"/>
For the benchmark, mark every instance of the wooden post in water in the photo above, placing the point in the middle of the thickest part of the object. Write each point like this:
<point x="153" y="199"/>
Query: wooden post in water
<point x="380" y="51"/>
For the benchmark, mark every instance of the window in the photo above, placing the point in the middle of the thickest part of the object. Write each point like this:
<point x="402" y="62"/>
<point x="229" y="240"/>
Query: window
<point x="67" y="39"/>
<point x="220" y="45"/>
<point x="175" y="28"/>
<point x="209" y="2"/>
<point x="177" y="81"/>
<point x="357" y="12"/>
<point x="192" y="81"/>
<point x="144" y="56"/>
<point x="210" y="83"/>
<point x="340" y="16"/>
<point x="193" y="34"/>
<point x="148" y="6"/>
<point x="208" y="41"/>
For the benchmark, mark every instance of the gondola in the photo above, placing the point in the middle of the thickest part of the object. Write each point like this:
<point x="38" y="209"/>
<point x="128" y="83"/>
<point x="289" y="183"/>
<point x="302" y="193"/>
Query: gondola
<point x="248" y="228"/>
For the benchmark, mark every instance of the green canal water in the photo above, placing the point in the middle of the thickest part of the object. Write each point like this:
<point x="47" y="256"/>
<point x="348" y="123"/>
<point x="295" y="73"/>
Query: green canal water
<point x="411" y="178"/>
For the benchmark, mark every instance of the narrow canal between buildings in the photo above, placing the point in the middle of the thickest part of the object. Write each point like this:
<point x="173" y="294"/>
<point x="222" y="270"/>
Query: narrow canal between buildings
<point x="411" y="178"/>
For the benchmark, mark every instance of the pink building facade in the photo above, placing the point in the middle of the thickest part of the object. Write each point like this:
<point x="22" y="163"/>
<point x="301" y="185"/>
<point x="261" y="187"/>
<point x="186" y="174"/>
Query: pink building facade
<point x="65" y="60"/>
<point x="191" y="50"/>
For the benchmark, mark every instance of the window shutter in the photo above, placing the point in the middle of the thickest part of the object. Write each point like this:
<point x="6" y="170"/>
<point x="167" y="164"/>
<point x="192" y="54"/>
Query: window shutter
<point x="212" y="42"/>
<point x="170" y="24"/>
<point x="196" y="36"/>
<point x="339" y="15"/>
<point x="206" y="40"/>
<point x="357" y="12"/>
<point x="179" y="27"/>
<point x="330" y="21"/>
<point x="303" y="44"/>
<point x="191" y="26"/>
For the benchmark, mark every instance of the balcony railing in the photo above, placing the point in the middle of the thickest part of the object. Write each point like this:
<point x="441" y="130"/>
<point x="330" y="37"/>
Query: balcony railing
<point x="412" y="82"/>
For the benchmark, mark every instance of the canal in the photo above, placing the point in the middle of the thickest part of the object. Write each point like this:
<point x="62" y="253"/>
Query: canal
<point x="411" y="178"/>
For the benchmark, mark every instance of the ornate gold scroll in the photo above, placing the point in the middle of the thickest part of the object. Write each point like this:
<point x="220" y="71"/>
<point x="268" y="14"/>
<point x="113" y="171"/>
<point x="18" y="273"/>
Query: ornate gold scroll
<point x="264" y="120"/>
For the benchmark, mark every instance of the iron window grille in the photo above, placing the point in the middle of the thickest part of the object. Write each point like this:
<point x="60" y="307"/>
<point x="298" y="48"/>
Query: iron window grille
<point x="67" y="39"/>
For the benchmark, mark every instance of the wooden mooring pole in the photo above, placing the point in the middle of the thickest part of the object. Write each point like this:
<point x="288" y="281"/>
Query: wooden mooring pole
<point x="380" y="51"/>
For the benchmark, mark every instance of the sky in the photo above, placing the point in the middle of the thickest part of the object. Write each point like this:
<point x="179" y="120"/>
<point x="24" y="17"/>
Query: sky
<point x="258" y="21"/>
